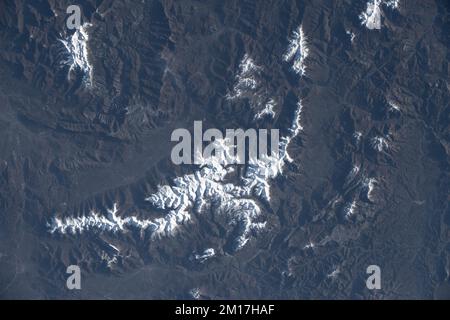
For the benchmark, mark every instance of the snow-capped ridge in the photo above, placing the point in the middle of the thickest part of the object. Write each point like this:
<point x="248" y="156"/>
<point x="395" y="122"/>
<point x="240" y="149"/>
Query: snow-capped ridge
<point x="248" y="84"/>
<point x="352" y="175"/>
<point x="206" y="187"/>
<point x="113" y="223"/>
<point x="245" y="79"/>
<point x="78" y="53"/>
<point x="297" y="51"/>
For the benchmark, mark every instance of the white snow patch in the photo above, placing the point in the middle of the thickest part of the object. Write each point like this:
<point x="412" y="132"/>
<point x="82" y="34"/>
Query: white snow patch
<point x="371" y="18"/>
<point x="352" y="35"/>
<point x="357" y="135"/>
<point x="267" y="111"/>
<point x="334" y="273"/>
<point x="369" y="186"/>
<point x="393" y="4"/>
<point x="393" y="106"/>
<point x="309" y="245"/>
<point x="207" y="253"/>
<point x="195" y="293"/>
<point x="350" y="209"/>
<point x="380" y="144"/>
